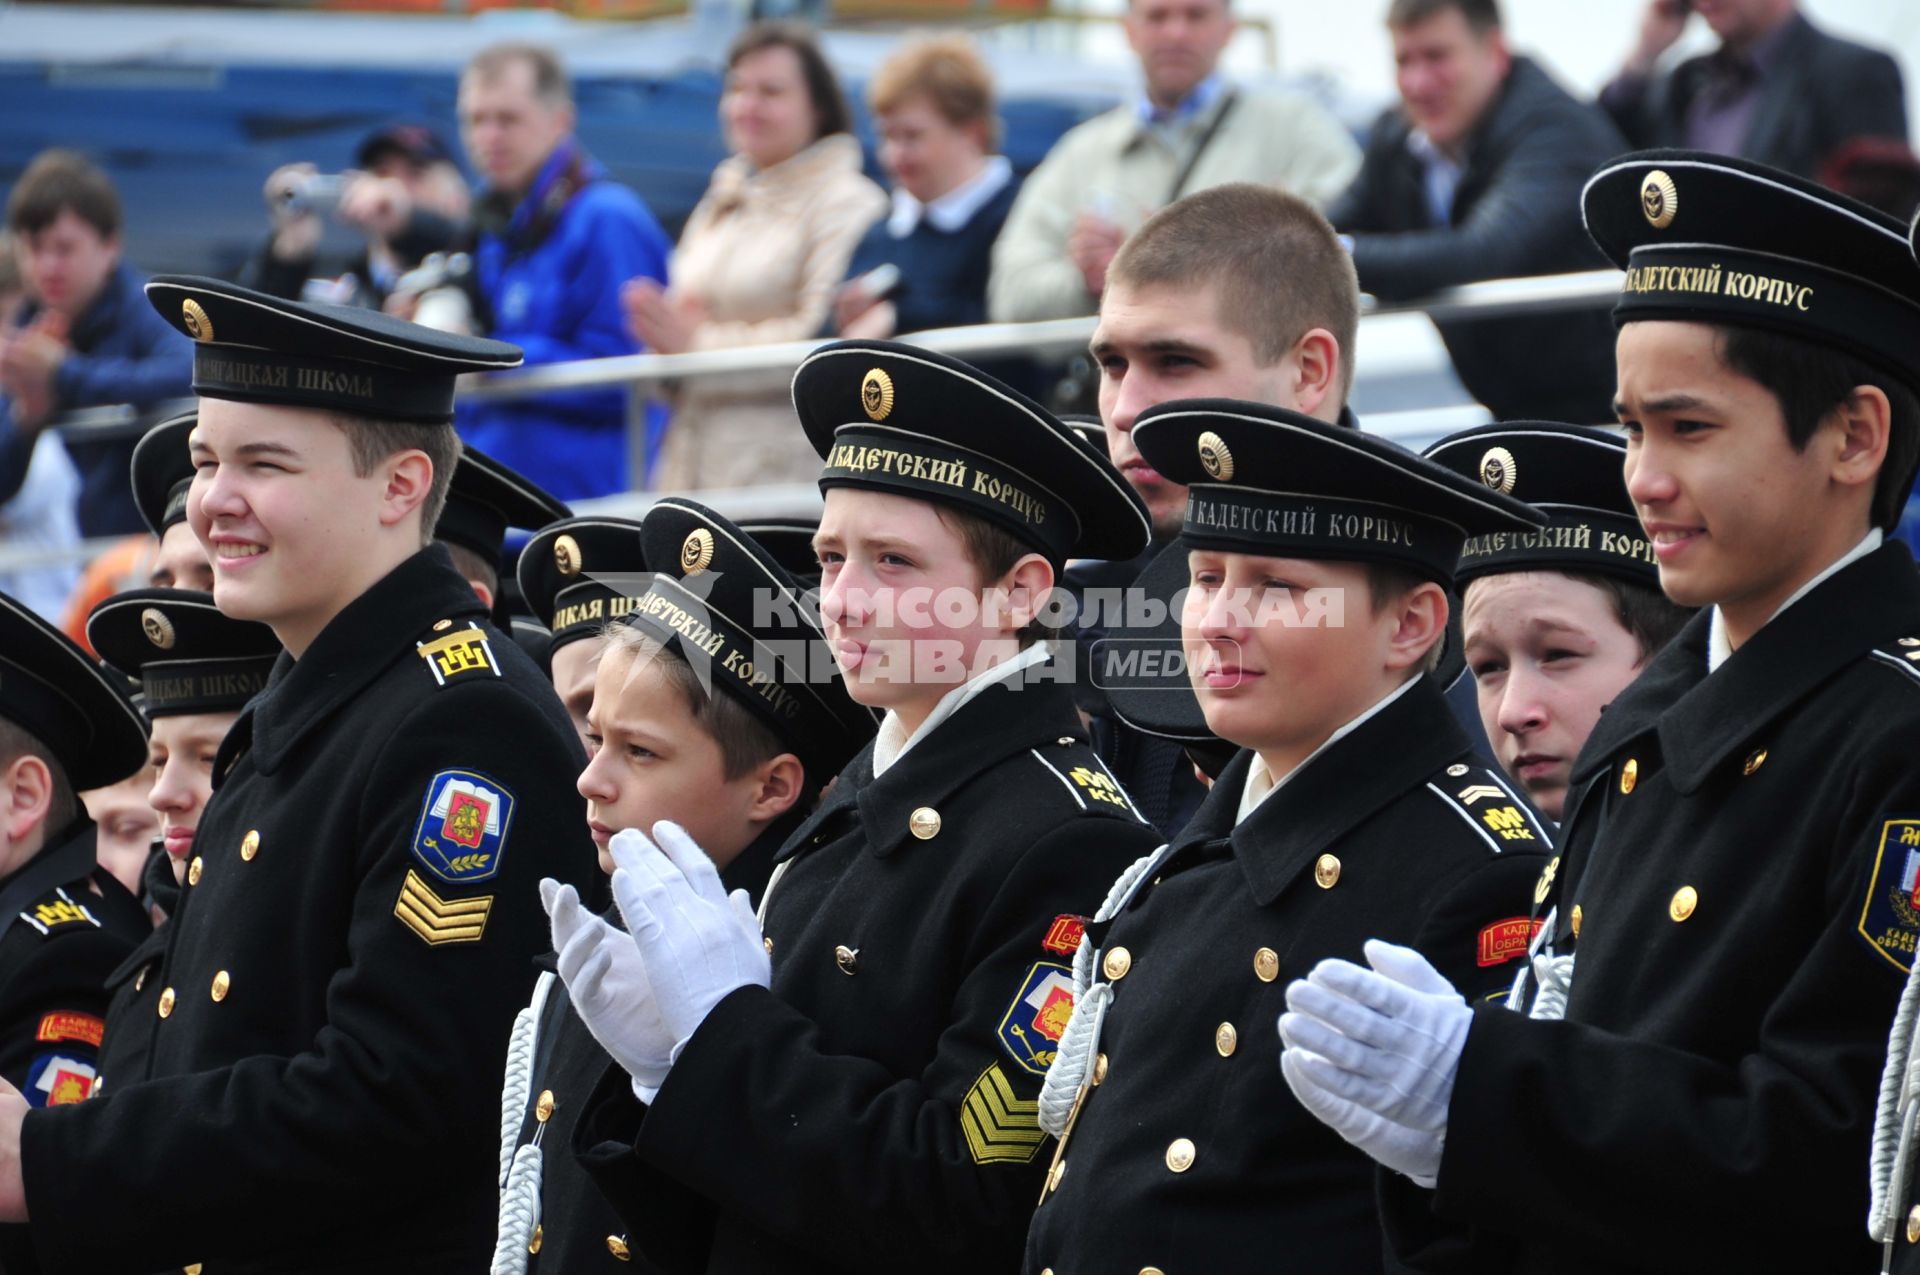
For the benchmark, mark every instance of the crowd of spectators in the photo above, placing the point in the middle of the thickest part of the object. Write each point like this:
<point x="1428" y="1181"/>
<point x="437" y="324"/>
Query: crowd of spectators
<point x="1473" y="174"/>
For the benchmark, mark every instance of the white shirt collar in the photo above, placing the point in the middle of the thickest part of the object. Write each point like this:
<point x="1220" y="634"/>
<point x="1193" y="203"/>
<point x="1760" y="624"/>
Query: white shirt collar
<point x="1260" y="781"/>
<point x="954" y="209"/>
<point x="1719" y="649"/>
<point x="893" y="741"/>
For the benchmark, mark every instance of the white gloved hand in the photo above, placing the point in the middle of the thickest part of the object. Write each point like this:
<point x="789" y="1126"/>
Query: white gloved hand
<point x="609" y="986"/>
<point x="697" y="943"/>
<point x="1379" y="1052"/>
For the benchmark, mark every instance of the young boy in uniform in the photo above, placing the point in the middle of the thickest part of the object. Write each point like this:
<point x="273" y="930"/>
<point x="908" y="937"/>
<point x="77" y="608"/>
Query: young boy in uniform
<point x="850" y="1082"/>
<point x="1733" y="910"/>
<point x="674" y="733"/>
<point x="336" y="995"/>
<point x="1319" y="561"/>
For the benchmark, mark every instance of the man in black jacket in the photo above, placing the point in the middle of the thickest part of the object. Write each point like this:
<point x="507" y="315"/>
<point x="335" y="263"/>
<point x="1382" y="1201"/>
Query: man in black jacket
<point x="1477" y="175"/>
<point x="1778" y="89"/>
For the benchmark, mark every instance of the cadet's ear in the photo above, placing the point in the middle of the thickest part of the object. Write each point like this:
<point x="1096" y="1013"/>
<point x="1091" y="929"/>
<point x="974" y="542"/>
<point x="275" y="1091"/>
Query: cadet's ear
<point x="781" y="781"/>
<point x="1864" y="425"/>
<point x="26" y="795"/>
<point x="1420" y="623"/>
<point x="409" y="478"/>
<point x="1029" y="585"/>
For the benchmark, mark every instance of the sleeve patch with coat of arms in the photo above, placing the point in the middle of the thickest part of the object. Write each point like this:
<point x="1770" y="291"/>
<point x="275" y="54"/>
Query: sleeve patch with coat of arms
<point x="462" y="833"/>
<point x="1890" y="916"/>
<point x="1031" y="1029"/>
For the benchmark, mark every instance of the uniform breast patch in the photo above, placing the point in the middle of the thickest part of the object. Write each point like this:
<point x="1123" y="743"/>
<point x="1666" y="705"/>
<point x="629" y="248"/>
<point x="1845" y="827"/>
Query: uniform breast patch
<point x="1031" y="1029"/>
<point x="54" y="1080"/>
<point x="464" y="821"/>
<point x="1890" y="917"/>
<point x="437" y="920"/>
<point x="1504" y="940"/>
<point x="1000" y="1126"/>
<point x="71" y="1025"/>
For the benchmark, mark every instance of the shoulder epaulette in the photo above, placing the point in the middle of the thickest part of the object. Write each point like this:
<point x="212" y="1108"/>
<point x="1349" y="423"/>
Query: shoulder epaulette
<point x="1086" y="779"/>
<point x="1485" y="801"/>
<point x="1901" y="653"/>
<point x="452" y="653"/>
<point x="56" y="910"/>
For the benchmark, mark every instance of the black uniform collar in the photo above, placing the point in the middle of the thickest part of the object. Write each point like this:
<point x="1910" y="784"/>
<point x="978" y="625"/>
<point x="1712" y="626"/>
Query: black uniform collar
<point x="357" y="646"/>
<point x="1397" y="749"/>
<point x="1708" y="718"/>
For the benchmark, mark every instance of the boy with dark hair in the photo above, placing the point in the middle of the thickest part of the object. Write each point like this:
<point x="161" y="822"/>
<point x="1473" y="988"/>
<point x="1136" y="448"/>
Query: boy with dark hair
<point x="1725" y="934"/>
<point x="852" y="1078"/>
<point x="337" y="990"/>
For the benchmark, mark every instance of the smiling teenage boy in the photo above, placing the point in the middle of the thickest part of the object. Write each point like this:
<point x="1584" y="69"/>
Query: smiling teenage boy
<point x="855" y="1087"/>
<point x="359" y="916"/>
<point x="1733" y="909"/>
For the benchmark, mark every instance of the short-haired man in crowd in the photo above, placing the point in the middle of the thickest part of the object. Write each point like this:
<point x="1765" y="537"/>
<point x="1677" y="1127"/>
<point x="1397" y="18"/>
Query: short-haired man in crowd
<point x="556" y="240"/>
<point x="1190" y="129"/>
<point x="85" y="338"/>
<point x="1476" y="175"/>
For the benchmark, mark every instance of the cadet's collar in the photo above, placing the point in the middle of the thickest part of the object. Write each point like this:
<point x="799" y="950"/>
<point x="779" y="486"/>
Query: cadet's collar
<point x="358" y="645"/>
<point x="1271" y="783"/>
<point x="1720" y="648"/>
<point x="1636" y="710"/>
<point x="893" y="741"/>
<point x="1000" y="721"/>
<point x="1869" y="603"/>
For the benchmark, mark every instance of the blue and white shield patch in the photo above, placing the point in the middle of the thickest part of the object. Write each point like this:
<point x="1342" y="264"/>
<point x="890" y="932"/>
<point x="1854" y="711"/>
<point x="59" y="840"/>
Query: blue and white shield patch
<point x="1031" y="1029"/>
<point x="1890" y="917"/>
<point x="54" y="1080"/>
<point x="462" y="834"/>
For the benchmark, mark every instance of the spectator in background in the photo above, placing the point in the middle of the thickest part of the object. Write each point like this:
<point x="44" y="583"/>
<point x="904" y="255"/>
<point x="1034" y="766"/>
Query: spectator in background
<point x="760" y="260"/>
<point x="406" y="195"/>
<point x="39" y="515"/>
<point x="556" y="239"/>
<point x="1190" y="130"/>
<point x="934" y="110"/>
<point x="86" y="336"/>
<point x="1778" y="89"/>
<point x="1477" y="175"/>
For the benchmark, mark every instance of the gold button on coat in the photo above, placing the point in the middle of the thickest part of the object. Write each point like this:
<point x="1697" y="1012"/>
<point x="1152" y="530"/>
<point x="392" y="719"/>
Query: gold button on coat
<point x="1116" y="963"/>
<point x="1629" y="776"/>
<point x="1055" y="1174"/>
<point x="191" y="1270"/>
<point x="193" y="871"/>
<point x="1685" y="900"/>
<point x="1180" y="1154"/>
<point x="1913" y="1225"/>
<point x="250" y="846"/>
<point x="543" y="1107"/>
<point x="1266" y="965"/>
<point x="618" y="1247"/>
<point x="1578" y="915"/>
<point x="220" y="985"/>
<point x="166" y="1002"/>
<point x="1755" y="760"/>
<point x="1226" y="1039"/>
<point x="767" y="943"/>
<point x="848" y="959"/>
<point x="1150" y="1270"/>
<point x="1099" y="1069"/>
<point x="1326" y="873"/>
<point x="539" y="1233"/>
<point x="924" y="823"/>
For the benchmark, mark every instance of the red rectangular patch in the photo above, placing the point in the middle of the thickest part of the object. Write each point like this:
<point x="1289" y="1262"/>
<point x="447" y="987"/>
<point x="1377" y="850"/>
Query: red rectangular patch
<point x="1504" y="940"/>
<point x="1063" y="936"/>
<point x="71" y="1026"/>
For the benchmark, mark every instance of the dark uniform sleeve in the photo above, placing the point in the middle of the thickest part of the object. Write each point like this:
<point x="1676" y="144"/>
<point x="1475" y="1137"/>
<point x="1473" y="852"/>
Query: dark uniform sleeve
<point x="53" y="1007"/>
<point x="837" y="1156"/>
<point x="402" y="1080"/>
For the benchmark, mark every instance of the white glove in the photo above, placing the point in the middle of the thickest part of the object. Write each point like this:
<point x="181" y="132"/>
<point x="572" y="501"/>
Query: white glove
<point x="696" y="943"/>
<point x="609" y="986"/>
<point x="1373" y="1054"/>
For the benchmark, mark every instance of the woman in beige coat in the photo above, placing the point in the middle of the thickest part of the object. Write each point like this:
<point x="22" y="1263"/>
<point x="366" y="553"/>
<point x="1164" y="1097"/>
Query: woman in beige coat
<point x="759" y="261"/>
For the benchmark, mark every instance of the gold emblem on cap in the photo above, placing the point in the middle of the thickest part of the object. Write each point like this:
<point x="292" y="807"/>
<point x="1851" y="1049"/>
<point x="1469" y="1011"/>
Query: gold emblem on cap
<point x="1498" y="471"/>
<point x="1215" y="458"/>
<point x="1659" y="199"/>
<point x="876" y="394"/>
<point x="199" y="326"/>
<point x="696" y="552"/>
<point x="158" y="628"/>
<point x="566" y="556"/>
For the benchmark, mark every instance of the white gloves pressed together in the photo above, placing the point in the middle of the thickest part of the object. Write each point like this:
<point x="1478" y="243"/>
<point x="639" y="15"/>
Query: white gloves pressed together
<point x="690" y="944"/>
<point x="1372" y="1053"/>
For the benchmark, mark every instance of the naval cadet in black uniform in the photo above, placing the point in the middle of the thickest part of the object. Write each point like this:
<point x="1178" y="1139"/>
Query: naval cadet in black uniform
<point x="578" y="575"/>
<point x="196" y="669"/>
<point x="1355" y="807"/>
<point x="1733" y="911"/>
<point x="322" y="1088"/>
<point x="744" y="767"/>
<point x="857" y="1088"/>
<point x="485" y="499"/>
<point x="162" y="472"/>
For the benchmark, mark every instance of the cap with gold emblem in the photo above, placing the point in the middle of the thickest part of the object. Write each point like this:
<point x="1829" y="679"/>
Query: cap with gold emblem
<point x="722" y="602"/>
<point x="1570" y="473"/>
<point x="1264" y="480"/>
<point x="579" y="573"/>
<point x="54" y="691"/>
<point x="1713" y="239"/>
<point x="162" y="472"/>
<point x="896" y="418"/>
<point x="188" y="657"/>
<point x="253" y="348"/>
<point x="485" y="498"/>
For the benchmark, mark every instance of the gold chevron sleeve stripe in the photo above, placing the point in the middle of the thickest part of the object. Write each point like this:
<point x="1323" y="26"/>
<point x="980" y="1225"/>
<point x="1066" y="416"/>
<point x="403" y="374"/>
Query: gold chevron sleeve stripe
<point x="1001" y="1127"/>
<point x="439" y="920"/>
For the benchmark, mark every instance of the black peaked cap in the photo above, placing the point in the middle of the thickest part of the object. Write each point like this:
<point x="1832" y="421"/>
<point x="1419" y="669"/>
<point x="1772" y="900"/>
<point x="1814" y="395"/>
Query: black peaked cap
<point x="187" y="656"/>
<point x="55" y="691"/>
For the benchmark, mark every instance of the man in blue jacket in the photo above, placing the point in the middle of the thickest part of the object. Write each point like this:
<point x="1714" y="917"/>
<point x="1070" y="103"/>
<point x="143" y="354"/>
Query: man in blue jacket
<point x="556" y="240"/>
<point x="85" y="338"/>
